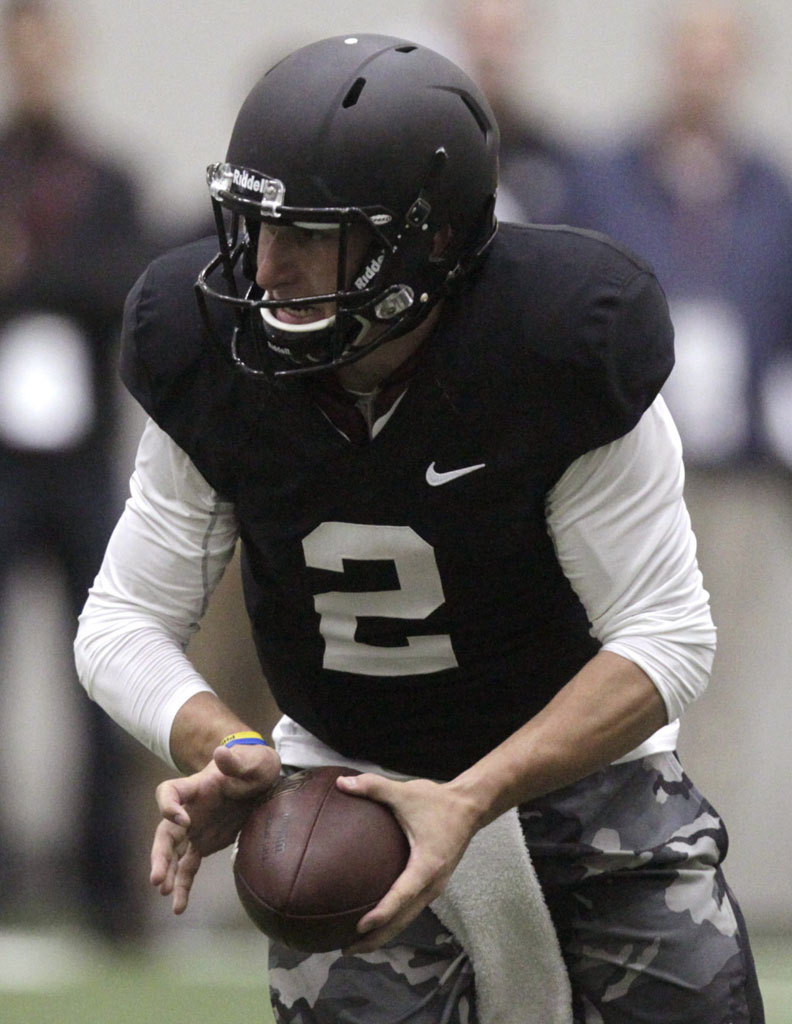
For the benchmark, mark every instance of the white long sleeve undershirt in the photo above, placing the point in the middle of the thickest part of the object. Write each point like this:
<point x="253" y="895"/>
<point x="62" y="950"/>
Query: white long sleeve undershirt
<point x="617" y="519"/>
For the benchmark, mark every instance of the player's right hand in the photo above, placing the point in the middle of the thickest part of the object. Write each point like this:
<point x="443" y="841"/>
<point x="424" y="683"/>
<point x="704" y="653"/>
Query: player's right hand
<point x="203" y="812"/>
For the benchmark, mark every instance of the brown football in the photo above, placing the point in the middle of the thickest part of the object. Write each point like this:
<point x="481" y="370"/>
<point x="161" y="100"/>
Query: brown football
<point x="311" y="860"/>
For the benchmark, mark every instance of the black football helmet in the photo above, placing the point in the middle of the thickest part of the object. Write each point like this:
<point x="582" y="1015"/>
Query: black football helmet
<point x="352" y="130"/>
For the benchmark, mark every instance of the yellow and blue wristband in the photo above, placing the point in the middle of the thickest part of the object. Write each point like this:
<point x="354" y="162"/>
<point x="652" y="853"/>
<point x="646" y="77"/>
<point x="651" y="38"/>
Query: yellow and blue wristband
<point x="248" y="739"/>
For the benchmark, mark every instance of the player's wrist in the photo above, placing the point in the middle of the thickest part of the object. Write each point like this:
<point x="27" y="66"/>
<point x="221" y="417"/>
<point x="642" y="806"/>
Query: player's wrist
<point x="243" y="737"/>
<point x="201" y="724"/>
<point x="474" y="800"/>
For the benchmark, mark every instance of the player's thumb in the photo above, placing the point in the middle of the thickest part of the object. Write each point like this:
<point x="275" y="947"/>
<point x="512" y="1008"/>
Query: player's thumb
<point x="251" y="767"/>
<point x="374" y="787"/>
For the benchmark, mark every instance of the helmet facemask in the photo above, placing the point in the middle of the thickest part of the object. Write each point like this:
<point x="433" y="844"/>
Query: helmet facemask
<point x="392" y="289"/>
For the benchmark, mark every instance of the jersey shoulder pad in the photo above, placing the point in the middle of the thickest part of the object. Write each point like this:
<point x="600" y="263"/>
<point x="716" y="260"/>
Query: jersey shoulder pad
<point x="574" y="323"/>
<point x="182" y="377"/>
<point x="162" y="334"/>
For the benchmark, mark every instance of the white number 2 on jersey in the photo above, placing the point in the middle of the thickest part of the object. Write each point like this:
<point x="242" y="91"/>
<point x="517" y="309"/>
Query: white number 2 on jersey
<point x="420" y="593"/>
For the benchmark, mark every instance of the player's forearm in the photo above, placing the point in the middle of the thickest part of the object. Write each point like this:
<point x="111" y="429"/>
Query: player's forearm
<point x="166" y="554"/>
<point x="198" y="728"/>
<point x="606" y="710"/>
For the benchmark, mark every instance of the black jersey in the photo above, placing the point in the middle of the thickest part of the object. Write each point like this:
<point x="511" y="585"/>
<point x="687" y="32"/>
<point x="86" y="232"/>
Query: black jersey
<point x="405" y="598"/>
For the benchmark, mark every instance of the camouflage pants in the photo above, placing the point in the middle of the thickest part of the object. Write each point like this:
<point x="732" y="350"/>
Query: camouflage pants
<point x="629" y="861"/>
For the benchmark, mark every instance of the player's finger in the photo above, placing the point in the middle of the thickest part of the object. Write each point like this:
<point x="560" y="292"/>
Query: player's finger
<point x="413" y="890"/>
<point x="374" y="787"/>
<point x="185" y="876"/>
<point x="169" y="876"/>
<point x="170" y="803"/>
<point x="164" y="854"/>
<point x="252" y="768"/>
<point x="159" y="868"/>
<point x="161" y="853"/>
<point x="379" y="927"/>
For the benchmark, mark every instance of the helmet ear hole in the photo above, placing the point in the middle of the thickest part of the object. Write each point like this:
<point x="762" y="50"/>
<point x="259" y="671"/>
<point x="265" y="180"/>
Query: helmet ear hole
<point x="441" y="240"/>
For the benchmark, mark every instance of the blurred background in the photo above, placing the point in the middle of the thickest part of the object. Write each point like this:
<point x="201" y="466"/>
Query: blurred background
<point x="666" y="124"/>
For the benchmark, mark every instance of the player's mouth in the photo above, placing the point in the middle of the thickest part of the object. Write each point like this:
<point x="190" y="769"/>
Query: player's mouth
<point x="301" y="314"/>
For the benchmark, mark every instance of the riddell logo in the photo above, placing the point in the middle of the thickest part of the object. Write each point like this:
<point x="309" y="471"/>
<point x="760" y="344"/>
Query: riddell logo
<point x="371" y="270"/>
<point x="247" y="181"/>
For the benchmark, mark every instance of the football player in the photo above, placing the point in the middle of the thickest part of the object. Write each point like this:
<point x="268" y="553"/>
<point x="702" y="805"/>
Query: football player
<point x="467" y="562"/>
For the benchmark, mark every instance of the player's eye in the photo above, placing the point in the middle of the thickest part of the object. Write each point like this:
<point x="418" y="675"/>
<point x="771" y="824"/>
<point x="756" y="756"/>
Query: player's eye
<point x="306" y="235"/>
<point x="298" y="235"/>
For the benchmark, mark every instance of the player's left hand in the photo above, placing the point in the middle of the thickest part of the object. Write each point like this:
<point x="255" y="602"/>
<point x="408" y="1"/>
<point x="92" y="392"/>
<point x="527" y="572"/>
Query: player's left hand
<point x="439" y="823"/>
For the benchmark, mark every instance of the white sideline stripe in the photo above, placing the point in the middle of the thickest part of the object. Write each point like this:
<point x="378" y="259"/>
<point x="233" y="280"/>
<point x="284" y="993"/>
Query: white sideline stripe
<point x="45" y="961"/>
<point x="32" y="962"/>
<point x="776" y="990"/>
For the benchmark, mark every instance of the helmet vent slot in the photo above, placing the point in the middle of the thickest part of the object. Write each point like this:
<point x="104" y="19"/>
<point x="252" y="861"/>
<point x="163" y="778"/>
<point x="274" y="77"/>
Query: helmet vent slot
<point x="353" y="95"/>
<point x="481" y="118"/>
<point x="405" y="49"/>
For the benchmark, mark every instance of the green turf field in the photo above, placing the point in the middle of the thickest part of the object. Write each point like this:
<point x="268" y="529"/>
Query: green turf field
<point x="61" y="979"/>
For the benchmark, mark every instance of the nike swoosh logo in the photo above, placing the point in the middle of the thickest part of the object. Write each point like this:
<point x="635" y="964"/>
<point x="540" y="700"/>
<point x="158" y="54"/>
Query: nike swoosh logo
<point x="435" y="479"/>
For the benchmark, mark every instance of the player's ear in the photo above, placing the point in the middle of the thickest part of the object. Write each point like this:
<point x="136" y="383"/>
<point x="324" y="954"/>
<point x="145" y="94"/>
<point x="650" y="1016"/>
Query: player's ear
<point x="440" y="241"/>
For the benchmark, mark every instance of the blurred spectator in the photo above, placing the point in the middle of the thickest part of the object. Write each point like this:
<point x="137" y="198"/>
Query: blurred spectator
<point x="714" y="216"/>
<point x="692" y="194"/>
<point x="537" y="167"/>
<point x="70" y="248"/>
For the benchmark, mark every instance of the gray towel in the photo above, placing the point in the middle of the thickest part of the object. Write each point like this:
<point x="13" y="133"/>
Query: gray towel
<point x="494" y="906"/>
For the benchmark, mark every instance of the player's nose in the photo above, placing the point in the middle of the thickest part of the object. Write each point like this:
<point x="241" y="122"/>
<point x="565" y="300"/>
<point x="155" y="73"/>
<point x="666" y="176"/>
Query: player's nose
<point x="275" y="263"/>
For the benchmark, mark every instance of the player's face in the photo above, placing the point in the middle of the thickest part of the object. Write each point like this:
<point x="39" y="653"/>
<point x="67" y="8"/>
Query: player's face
<point x="295" y="262"/>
